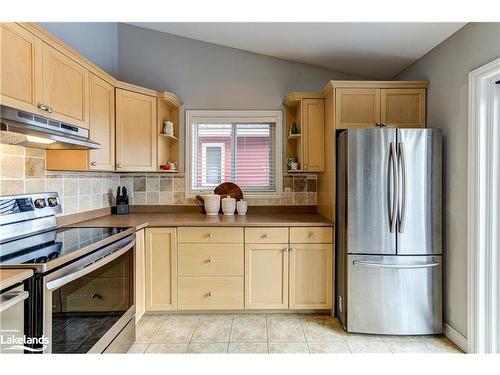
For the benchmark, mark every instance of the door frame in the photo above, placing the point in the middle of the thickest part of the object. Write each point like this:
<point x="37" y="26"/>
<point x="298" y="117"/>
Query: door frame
<point x="483" y="207"/>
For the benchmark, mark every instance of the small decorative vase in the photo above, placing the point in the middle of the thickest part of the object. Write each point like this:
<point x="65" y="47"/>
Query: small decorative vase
<point x="293" y="129"/>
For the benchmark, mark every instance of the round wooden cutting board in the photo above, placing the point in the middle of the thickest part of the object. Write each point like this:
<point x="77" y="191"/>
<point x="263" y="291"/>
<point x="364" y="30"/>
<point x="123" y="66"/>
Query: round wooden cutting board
<point x="228" y="188"/>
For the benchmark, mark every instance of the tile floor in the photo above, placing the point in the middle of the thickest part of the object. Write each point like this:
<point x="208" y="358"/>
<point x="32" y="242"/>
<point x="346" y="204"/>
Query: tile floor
<point x="270" y="333"/>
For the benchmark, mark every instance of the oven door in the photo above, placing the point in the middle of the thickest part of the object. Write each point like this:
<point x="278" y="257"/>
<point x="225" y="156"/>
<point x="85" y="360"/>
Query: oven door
<point x="88" y="303"/>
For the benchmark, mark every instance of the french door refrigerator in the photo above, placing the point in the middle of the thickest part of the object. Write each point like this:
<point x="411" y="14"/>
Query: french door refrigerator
<point x="389" y="231"/>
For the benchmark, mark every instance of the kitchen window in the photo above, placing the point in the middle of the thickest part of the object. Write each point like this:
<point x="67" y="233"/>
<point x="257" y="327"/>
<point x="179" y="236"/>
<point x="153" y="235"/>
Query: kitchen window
<point x="243" y="147"/>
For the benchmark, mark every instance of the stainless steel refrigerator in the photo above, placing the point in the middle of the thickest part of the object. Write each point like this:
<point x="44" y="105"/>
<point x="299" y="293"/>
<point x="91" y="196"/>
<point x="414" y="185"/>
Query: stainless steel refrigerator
<point x="389" y="231"/>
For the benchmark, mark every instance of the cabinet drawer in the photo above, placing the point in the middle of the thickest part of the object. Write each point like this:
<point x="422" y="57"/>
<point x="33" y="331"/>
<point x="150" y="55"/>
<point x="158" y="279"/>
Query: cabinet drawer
<point x="266" y="235"/>
<point x="211" y="235"/>
<point x="210" y="260"/>
<point x="210" y="293"/>
<point x="311" y="235"/>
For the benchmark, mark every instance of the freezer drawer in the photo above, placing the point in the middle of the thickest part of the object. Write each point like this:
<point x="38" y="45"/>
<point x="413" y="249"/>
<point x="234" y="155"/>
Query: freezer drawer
<point x="394" y="294"/>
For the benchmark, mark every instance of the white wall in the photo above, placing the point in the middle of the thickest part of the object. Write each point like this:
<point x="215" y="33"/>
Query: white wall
<point x="447" y="67"/>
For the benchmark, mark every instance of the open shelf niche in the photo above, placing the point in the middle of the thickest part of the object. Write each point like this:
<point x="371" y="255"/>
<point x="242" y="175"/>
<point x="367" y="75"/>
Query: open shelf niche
<point x="293" y="141"/>
<point x="168" y="107"/>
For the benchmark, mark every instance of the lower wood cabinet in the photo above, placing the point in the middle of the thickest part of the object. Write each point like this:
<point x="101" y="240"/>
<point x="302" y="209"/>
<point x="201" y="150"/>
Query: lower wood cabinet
<point x="266" y="276"/>
<point x="311" y="276"/>
<point x="161" y="269"/>
<point x="140" y="274"/>
<point x="210" y="293"/>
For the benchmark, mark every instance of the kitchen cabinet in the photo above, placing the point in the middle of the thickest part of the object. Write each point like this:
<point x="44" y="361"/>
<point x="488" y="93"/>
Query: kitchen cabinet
<point x="211" y="293"/>
<point x="307" y="111"/>
<point x="161" y="269"/>
<point x="370" y="107"/>
<point x="102" y="124"/>
<point x="136" y="138"/>
<point x="266" y="276"/>
<point x="65" y="88"/>
<point x="311" y="276"/>
<point x="140" y="274"/>
<point x="21" y="57"/>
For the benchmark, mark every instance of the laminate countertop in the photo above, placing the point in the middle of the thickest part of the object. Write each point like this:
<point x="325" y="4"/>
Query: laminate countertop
<point x="160" y="219"/>
<point x="9" y="277"/>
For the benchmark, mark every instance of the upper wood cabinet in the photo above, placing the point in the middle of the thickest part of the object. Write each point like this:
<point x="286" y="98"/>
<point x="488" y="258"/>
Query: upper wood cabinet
<point x="102" y="123"/>
<point x="20" y="66"/>
<point x="402" y="108"/>
<point x="65" y="88"/>
<point x="161" y="269"/>
<point x="136" y="136"/>
<point x="311" y="276"/>
<point x="307" y="111"/>
<point x="357" y="108"/>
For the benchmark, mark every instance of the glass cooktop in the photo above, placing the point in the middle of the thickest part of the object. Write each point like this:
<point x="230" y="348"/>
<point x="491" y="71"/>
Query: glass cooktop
<point x="42" y="248"/>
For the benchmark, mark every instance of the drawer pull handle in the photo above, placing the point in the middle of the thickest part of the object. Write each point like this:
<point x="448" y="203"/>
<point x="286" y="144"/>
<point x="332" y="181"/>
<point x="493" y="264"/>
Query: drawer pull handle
<point x="209" y="260"/>
<point x="209" y="235"/>
<point x="286" y="249"/>
<point x="211" y="294"/>
<point x="95" y="296"/>
<point x="93" y="163"/>
<point x="264" y="235"/>
<point x="311" y="235"/>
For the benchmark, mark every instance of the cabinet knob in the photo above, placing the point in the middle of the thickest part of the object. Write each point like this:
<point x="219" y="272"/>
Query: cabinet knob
<point x="119" y="165"/>
<point x="43" y="107"/>
<point x="264" y="235"/>
<point x="93" y="163"/>
<point x="211" y="294"/>
<point x="311" y="235"/>
<point x="95" y="296"/>
<point x="209" y="260"/>
<point x="49" y="109"/>
<point x="209" y="235"/>
<point x="305" y="166"/>
<point x="286" y="249"/>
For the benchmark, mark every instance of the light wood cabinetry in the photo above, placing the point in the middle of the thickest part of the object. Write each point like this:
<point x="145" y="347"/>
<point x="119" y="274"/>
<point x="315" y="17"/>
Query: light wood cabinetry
<point x="403" y="108"/>
<point x="20" y="64"/>
<point x="161" y="269"/>
<point x="210" y="235"/>
<point x="136" y="138"/>
<point x="311" y="276"/>
<point x="266" y="235"/>
<point x="211" y="293"/>
<point x="210" y="259"/>
<point x="357" y="108"/>
<point x="307" y="110"/>
<point x="168" y="106"/>
<point x="140" y="274"/>
<point x="311" y="235"/>
<point x="65" y="88"/>
<point x="266" y="276"/>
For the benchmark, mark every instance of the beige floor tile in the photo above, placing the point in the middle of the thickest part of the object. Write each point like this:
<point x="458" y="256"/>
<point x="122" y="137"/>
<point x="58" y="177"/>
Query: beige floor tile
<point x="137" y="348"/>
<point x="361" y="337"/>
<point x="147" y="328"/>
<point x="176" y="329"/>
<point x="213" y="328"/>
<point x="208" y="348"/>
<point x="248" y="347"/>
<point x="408" y="347"/>
<point x="283" y="327"/>
<point x="441" y="345"/>
<point x="328" y="347"/>
<point x="368" y="347"/>
<point x="320" y="328"/>
<point x="166" y="348"/>
<point x="288" y="347"/>
<point x="397" y="338"/>
<point x="249" y="328"/>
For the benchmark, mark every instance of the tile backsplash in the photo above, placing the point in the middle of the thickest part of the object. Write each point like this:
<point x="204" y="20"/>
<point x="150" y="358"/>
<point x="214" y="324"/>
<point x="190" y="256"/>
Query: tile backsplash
<point x="22" y="170"/>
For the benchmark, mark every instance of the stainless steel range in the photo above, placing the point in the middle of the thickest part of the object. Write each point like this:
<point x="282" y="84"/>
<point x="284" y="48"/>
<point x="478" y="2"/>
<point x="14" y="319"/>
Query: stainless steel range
<point x="82" y="293"/>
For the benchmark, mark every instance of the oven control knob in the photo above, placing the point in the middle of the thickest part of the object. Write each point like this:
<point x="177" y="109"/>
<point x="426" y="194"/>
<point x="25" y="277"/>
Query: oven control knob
<point x="52" y="201"/>
<point x="40" y="203"/>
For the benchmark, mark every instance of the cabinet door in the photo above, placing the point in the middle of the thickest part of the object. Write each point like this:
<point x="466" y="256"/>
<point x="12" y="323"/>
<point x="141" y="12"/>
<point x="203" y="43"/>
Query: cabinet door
<point x="403" y="108"/>
<point x="20" y="54"/>
<point x="65" y="88"/>
<point x="102" y="124"/>
<point x="311" y="276"/>
<point x="140" y="274"/>
<point x="266" y="276"/>
<point x="313" y="127"/>
<point x="357" y="108"/>
<point x="161" y="269"/>
<point x="135" y="131"/>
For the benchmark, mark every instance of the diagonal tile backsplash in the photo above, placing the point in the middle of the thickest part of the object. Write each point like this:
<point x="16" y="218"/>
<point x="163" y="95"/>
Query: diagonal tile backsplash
<point x="22" y="170"/>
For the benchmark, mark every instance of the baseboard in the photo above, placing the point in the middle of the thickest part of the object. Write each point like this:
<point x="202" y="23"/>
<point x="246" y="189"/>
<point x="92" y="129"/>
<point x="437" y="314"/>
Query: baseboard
<point x="455" y="336"/>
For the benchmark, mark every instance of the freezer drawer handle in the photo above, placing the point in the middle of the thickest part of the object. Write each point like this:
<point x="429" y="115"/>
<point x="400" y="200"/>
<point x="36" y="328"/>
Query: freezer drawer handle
<point x="10" y="299"/>
<point x="393" y="215"/>
<point x="384" y="265"/>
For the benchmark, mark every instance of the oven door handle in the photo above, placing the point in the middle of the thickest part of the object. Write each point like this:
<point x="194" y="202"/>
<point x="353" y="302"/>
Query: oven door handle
<point x="10" y="299"/>
<point x="63" y="280"/>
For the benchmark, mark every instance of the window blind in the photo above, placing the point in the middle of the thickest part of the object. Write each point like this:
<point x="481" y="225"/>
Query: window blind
<point x="243" y="153"/>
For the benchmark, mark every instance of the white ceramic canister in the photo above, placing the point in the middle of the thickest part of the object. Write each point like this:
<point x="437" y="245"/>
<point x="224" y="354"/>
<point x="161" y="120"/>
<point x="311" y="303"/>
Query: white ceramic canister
<point x="211" y="203"/>
<point x="228" y="205"/>
<point x="242" y="207"/>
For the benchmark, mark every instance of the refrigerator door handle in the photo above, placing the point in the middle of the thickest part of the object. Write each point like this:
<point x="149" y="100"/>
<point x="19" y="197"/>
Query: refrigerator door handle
<point x="402" y="157"/>
<point x="393" y="216"/>
<point x="386" y="265"/>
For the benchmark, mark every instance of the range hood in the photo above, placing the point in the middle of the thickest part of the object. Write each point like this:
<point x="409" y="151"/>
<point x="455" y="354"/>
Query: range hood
<point x="30" y="130"/>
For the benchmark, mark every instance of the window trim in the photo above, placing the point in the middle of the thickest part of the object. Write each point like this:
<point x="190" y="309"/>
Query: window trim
<point x="222" y="148"/>
<point x="232" y="116"/>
